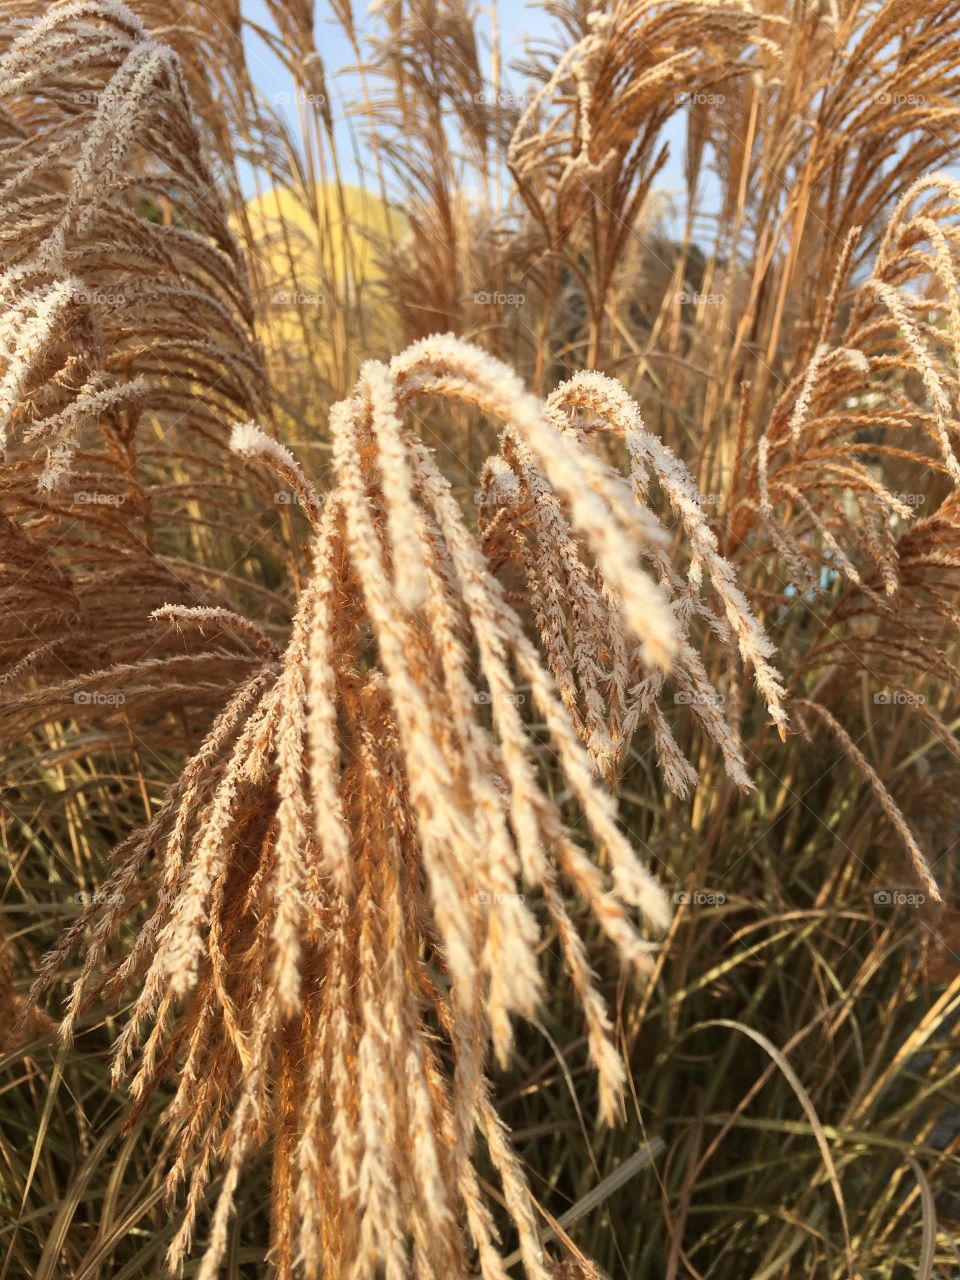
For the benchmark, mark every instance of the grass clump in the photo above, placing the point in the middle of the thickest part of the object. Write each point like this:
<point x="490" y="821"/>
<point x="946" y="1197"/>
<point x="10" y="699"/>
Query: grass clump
<point x="477" y="788"/>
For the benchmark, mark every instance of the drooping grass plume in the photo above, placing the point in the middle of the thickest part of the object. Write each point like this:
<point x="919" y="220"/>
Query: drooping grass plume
<point x="356" y="861"/>
<point x="128" y="343"/>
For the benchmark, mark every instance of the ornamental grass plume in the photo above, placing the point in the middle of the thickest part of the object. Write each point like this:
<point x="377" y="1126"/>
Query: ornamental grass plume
<point x="587" y="149"/>
<point x="127" y="340"/>
<point x="353" y="875"/>
<point x="579" y="620"/>
<point x="878" y="391"/>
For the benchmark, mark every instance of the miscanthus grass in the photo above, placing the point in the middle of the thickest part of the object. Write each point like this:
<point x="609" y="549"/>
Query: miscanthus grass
<point x="441" y="741"/>
<point x="351" y="868"/>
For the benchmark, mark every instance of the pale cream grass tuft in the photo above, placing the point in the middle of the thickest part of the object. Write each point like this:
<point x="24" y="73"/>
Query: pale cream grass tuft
<point x="355" y="862"/>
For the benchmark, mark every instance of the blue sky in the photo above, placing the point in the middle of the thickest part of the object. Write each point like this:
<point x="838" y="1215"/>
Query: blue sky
<point x="518" y="25"/>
